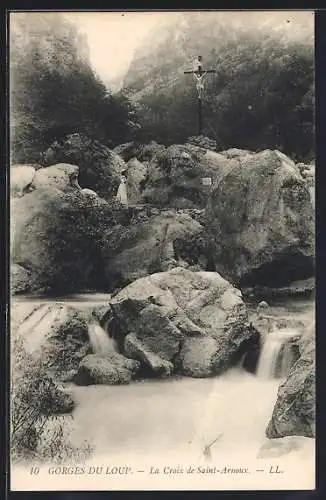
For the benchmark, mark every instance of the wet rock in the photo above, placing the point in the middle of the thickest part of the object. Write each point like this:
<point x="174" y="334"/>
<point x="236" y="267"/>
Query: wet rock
<point x="203" y="142"/>
<point x="127" y="150"/>
<point x="59" y="400"/>
<point x="111" y="369"/>
<point x="294" y="410"/>
<point x="89" y="192"/>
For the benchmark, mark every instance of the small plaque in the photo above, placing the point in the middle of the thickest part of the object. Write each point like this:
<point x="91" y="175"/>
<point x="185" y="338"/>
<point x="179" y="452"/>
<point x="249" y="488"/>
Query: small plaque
<point x="206" y="181"/>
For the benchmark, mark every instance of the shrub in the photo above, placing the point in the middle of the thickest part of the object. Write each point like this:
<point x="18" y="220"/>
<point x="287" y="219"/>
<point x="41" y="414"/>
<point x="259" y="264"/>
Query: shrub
<point x="38" y="429"/>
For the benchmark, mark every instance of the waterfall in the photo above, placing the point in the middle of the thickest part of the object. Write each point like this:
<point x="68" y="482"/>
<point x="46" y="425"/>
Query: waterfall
<point x="100" y="341"/>
<point x="276" y="354"/>
<point x="312" y="195"/>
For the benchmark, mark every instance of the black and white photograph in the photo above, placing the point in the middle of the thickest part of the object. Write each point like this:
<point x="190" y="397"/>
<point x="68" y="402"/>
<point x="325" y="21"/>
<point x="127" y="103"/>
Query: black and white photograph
<point x="162" y="250"/>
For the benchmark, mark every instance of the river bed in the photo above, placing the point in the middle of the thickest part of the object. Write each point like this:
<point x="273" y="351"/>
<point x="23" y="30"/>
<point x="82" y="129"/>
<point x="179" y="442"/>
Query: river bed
<point x="173" y="420"/>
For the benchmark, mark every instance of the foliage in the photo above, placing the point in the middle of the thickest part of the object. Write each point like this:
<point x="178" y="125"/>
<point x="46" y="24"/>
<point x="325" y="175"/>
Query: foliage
<point x="54" y="91"/>
<point x="38" y="431"/>
<point x="75" y="233"/>
<point x="68" y="345"/>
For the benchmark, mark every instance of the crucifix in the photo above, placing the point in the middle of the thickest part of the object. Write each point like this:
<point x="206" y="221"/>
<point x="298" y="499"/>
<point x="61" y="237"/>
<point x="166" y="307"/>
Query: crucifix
<point x="199" y="75"/>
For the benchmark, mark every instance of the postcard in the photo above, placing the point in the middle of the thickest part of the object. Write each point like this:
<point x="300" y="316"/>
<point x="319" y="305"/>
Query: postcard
<point x="162" y="221"/>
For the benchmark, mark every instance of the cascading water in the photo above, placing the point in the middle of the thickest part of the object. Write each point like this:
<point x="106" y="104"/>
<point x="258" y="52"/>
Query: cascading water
<point x="277" y="354"/>
<point x="100" y="341"/>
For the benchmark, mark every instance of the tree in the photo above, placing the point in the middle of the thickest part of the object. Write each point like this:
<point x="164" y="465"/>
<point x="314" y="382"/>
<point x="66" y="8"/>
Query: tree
<point x="261" y="96"/>
<point x="55" y="92"/>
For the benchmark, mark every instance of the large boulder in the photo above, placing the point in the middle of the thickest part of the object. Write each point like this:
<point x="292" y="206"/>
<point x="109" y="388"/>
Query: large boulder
<point x="202" y="141"/>
<point x="235" y="152"/>
<point x="54" y="333"/>
<point x="62" y="176"/>
<point x="190" y="322"/>
<point x="152" y="242"/>
<point x="261" y="222"/>
<point x="136" y="176"/>
<point x="294" y="410"/>
<point x="179" y="176"/>
<point x="111" y="369"/>
<point x="99" y="167"/>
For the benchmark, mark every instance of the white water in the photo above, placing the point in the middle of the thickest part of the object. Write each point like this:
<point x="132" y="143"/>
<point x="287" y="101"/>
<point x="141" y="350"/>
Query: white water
<point x="100" y="341"/>
<point x="155" y="421"/>
<point x="275" y="344"/>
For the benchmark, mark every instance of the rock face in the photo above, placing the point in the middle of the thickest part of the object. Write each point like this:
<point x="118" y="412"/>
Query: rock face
<point x="294" y="410"/>
<point x="136" y="176"/>
<point x="39" y="221"/>
<point x="295" y="289"/>
<point x="203" y="142"/>
<point x="111" y="369"/>
<point x="149" y="244"/>
<point x="135" y="348"/>
<point x="60" y="401"/>
<point x="261" y="222"/>
<point x="175" y="176"/>
<point x="99" y="167"/>
<point x="53" y="332"/>
<point x="142" y="152"/>
<point x="189" y="322"/>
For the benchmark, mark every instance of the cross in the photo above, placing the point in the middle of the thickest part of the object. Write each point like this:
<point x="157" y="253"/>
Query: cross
<point x="199" y="75"/>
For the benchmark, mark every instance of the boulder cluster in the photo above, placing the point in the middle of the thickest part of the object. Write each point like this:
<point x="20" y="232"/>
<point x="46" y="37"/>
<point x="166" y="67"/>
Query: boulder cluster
<point x="201" y="230"/>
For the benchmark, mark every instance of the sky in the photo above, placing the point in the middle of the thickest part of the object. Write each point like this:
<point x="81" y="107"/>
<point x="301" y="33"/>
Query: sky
<point x="113" y="37"/>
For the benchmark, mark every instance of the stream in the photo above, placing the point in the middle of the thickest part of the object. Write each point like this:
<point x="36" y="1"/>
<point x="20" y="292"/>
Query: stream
<point x="155" y="420"/>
